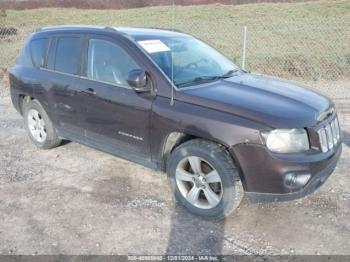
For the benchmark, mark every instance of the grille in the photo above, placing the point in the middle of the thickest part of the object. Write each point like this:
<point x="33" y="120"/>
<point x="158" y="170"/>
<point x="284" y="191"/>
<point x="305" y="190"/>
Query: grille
<point x="329" y="135"/>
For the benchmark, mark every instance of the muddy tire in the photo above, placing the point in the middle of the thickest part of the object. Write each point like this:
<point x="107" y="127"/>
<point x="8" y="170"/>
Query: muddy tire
<point x="204" y="179"/>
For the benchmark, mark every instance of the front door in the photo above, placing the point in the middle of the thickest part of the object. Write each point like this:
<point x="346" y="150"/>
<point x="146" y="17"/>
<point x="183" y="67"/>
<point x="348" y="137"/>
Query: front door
<point x="116" y="117"/>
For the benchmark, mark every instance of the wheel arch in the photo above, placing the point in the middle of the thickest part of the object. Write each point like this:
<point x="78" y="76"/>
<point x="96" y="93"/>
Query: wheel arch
<point x="175" y="139"/>
<point x="22" y="98"/>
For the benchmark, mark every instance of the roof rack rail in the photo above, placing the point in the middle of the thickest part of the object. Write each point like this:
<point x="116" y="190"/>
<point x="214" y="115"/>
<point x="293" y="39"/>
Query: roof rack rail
<point x="110" y="28"/>
<point x="163" y="28"/>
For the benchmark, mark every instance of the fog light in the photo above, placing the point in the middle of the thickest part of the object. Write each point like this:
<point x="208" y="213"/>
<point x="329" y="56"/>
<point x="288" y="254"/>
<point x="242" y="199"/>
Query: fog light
<point x="293" y="180"/>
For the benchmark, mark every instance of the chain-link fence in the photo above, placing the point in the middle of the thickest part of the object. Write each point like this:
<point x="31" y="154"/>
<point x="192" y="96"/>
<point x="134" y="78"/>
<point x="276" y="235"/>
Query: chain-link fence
<point x="307" y="41"/>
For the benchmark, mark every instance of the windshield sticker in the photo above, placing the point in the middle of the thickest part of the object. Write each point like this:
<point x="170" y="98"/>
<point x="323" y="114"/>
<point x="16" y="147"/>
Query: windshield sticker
<point x="154" y="46"/>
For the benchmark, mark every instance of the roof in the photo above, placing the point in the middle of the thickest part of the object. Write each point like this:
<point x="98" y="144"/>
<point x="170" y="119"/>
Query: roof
<point x="134" y="32"/>
<point x="138" y="32"/>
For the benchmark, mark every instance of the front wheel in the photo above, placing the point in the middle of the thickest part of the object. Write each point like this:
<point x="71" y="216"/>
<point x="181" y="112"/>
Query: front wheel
<point x="204" y="179"/>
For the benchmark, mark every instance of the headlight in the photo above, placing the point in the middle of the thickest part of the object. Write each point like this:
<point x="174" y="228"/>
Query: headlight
<point x="287" y="140"/>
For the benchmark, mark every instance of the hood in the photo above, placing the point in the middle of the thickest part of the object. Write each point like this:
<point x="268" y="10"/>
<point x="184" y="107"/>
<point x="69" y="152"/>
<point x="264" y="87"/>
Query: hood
<point x="274" y="102"/>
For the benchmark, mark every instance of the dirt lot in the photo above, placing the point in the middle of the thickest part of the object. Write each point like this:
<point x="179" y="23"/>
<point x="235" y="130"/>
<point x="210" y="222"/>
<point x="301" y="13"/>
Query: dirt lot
<point x="75" y="200"/>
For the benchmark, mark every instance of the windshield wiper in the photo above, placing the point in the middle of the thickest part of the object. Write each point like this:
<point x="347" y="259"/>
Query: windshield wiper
<point x="230" y="73"/>
<point x="198" y="80"/>
<point x="204" y="79"/>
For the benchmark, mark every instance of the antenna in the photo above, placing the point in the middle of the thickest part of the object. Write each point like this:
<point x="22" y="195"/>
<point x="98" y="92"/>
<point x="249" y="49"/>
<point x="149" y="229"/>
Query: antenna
<point x="171" y="53"/>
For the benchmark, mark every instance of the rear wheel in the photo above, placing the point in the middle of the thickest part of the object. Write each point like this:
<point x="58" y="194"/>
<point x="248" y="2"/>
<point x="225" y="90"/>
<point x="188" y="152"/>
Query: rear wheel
<point x="39" y="126"/>
<point x="204" y="179"/>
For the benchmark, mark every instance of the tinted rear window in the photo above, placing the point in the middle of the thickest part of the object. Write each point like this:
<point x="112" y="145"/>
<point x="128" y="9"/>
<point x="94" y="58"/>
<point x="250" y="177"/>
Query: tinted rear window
<point x="38" y="48"/>
<point x="67" y="55"/>
<point x="51" y="54"/>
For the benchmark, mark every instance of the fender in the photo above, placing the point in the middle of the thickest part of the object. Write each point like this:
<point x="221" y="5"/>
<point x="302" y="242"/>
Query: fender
<point x="174" y="124"/>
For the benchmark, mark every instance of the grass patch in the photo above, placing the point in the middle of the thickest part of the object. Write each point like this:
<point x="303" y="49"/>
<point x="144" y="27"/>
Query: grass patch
<point x="308" y="40"/>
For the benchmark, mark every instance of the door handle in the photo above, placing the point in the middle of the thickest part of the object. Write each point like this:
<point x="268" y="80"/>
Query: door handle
<point x="89" y="91"/>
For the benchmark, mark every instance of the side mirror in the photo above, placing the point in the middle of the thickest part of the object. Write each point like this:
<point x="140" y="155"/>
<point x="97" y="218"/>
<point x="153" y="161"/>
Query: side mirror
<point x="138" y="80"/>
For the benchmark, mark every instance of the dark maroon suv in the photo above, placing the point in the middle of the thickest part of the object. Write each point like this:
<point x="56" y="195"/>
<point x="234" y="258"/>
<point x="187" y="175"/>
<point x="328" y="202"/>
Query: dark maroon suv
<point x="168" y="101"/>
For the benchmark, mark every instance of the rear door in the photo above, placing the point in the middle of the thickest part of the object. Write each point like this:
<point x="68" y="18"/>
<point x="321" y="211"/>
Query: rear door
<point x="117" y="118"/>
<point x="63" y="67"/>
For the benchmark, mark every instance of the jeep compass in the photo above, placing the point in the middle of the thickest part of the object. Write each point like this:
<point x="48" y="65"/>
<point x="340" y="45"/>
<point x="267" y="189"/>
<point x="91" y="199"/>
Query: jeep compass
<point x="168" y="101"/>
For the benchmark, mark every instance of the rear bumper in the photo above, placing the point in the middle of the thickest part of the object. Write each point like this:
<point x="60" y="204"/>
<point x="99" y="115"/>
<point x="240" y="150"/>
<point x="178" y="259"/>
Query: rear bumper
<point x="263" y="176"/>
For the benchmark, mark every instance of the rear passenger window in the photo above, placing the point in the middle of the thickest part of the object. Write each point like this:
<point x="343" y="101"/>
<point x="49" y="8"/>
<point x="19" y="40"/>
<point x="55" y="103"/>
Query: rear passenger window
<point x="50" y="63"/>
<point x="67" y="55"/>
<point x="38" y="48"/>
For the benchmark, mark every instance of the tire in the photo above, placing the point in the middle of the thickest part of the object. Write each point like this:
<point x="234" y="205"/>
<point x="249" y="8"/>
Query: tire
<point x="39" y="126"/>
<point x="207" y="157"/>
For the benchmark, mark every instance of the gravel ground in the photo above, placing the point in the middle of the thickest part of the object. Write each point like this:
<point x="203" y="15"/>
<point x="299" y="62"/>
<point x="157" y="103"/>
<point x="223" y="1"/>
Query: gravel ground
<point x="76" y="200"/>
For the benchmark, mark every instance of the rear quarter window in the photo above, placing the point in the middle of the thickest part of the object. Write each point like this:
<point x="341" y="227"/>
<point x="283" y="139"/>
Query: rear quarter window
<point x="24" y="56"/>
<point x="38" y="51"/>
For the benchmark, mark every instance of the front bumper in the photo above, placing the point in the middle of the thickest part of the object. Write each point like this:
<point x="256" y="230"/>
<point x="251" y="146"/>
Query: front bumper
<point x="263" y="172"/>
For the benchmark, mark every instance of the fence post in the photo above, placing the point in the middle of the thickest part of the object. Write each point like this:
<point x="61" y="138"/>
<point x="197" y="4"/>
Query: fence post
<point x="244" y="47"/>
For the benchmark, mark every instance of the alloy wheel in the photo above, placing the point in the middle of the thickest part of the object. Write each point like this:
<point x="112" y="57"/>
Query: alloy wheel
<point x="199" y="182"/>
<point x="36" y="125"/>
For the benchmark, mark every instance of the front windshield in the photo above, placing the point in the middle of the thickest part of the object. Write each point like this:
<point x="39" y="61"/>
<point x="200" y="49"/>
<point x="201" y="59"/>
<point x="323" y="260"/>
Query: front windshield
<point x="188" y="61"/>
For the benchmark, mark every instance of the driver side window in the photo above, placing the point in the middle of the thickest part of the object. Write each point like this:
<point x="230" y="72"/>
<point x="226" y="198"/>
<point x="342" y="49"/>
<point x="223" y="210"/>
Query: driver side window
<point x="108" y="62"/>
